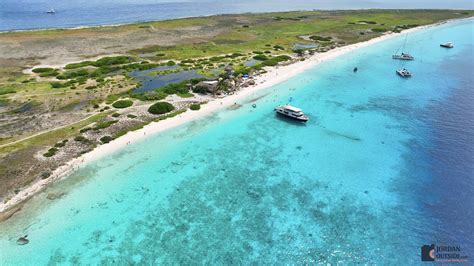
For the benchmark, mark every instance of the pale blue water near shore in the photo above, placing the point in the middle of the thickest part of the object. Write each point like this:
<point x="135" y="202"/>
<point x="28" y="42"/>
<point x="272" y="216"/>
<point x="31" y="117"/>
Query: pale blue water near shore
<point x="384" y="166"/>
<point x="31" y="14"/>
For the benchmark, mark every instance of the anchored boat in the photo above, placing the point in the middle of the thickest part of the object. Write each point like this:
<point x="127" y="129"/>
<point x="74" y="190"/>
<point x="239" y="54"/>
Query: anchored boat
<point x="447" y="45"/>
<point x="51" y="11"/>
<point x="403" y="56"/>
<point x="292" y="112"/>
<point x="404" y="73"/>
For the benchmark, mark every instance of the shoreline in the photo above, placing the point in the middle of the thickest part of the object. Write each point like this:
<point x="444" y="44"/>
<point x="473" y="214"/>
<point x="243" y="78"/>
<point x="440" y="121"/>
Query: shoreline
<point x="191" y="17"/>
<point x="274" y="76"/>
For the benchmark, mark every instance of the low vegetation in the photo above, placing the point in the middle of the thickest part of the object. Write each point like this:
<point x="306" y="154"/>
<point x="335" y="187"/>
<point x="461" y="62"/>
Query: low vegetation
<point x="195" y="106"/>
<point x="122" y="104"/>
<point x="161" y="108"/>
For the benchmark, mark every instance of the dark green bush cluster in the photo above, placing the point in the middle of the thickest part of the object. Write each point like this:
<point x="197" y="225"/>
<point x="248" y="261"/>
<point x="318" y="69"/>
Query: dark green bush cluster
<point x="379" y="30"/>
<point x="57" y="85"/>
<point x="161" y="108"/>
<point x="260" y="57"/>
<point x="278" y="47"/>
<point x="131" y="116"/>
<point x="43" y="69"/>
<point x="115" y="115"/>
<point x="122" y="104"/>
<point x="234" y="55"/>
<point x="78" y="65"/>
<point x="106" y="139"/>
<point x="114" y="60"/>
<point x="200" y="89"/>
<point x="46" y="72"/>
<point x="320" y="38"/>
<point x="61" y="144"/>
<point x="195" y="106"/>
<point x="51" y="152"/>
<point x="83" y="130"/>
<point x="81" y="138"/>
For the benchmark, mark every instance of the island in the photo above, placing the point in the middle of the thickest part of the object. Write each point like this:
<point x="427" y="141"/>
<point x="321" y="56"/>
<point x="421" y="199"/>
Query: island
<point x="65" y="92"/>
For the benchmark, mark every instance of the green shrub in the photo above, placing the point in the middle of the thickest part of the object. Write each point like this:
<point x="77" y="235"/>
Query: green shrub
<point x="85" y="129"/>
<point x="57" y="85"/>
<point x="106" y="139"/>
<point x="278" y="47"/>
<point x="174" y="88"/>
<point x="195" y="106"/>
<point x="200" y="89"/>
<point x="161" y="108"/>
<point x="51" y="152"/>
<point x="170" y="63"/>
<point x="131" y="116"/>
<point x="260" y="57"/>
<point x="122" y="104"/>
<point x="379" y="30"/>
<point x="81" y="138"/>
<point x="60" y="144"/>
<point x="43" y="70"/>
<point x="78" y="65"/>
<point x="114" y="60"/>
<point x="115" y="115"/>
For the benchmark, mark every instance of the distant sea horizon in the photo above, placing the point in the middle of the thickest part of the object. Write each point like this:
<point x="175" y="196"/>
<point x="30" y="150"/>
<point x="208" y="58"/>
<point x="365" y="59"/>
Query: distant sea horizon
<point x="32" y="14"/>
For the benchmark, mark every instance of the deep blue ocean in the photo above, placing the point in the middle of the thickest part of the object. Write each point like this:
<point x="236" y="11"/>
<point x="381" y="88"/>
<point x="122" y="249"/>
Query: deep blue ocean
<point x="31" y="14"/>
<point x="384" y="166"/>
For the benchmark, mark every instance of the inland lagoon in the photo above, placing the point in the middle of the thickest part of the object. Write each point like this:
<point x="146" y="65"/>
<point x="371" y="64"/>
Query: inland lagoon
<point x="383" y="167"/>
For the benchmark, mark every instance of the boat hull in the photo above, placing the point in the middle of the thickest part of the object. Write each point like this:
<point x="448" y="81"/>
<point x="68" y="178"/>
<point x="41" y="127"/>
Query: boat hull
<point x="398" y="57"/>
<point x="301" y="119"/>
<point x="402" y="74"/>
<point x="446" y="46"/>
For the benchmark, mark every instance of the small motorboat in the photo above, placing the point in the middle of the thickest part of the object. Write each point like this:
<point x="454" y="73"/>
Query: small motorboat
<point x="403" y="56"/>
<point x="447" y="45"/>
<point x="355" y="69"/>
<point x="404" y="73"/>
<point x="51" y="11"/>
<point x="292" y="112"/>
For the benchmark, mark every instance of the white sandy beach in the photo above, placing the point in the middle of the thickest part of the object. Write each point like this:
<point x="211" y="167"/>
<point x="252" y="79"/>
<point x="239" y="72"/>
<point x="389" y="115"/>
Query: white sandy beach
<point x="274" y="76"/>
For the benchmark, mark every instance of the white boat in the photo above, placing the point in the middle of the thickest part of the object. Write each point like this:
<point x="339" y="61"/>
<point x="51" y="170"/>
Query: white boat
<point x="51" y="11"/>
<point x="292" y="112"/>
<point x="403" y="56"/>
<point x="404" y="73"/>
<point x="447" y="45"/>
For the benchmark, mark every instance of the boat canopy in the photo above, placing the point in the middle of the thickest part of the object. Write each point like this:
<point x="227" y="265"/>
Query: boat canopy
<point x="292" y="108"/>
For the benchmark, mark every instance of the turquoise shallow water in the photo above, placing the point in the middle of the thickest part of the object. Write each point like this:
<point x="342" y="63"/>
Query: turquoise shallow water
<point x="245" y="186"/>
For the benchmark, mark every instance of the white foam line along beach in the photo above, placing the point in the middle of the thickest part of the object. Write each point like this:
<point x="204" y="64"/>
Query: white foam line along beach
<point x="274" y="76"/>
